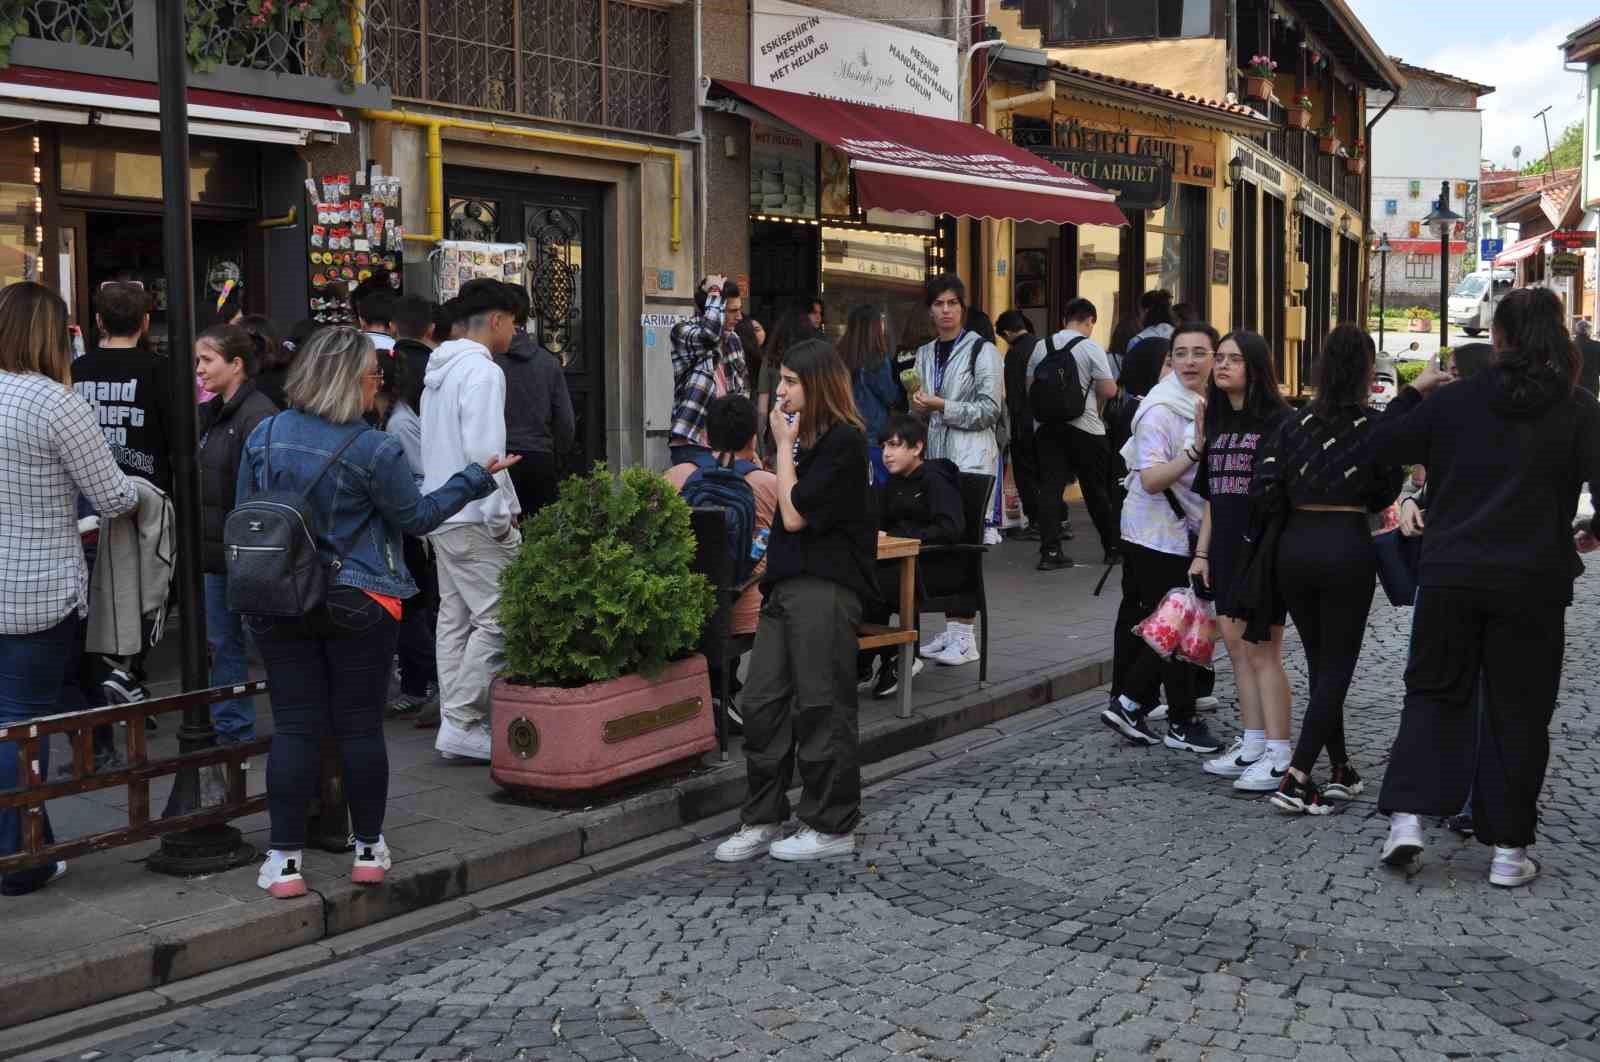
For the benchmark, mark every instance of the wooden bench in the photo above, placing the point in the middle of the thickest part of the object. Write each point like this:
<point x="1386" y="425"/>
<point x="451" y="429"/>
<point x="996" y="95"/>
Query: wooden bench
<point x="878" y="636"/>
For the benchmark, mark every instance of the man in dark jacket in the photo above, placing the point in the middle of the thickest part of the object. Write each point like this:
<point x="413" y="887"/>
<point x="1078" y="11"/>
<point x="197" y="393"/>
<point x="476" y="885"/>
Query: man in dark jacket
<point x="1015" y="328"/>
<point x="1589" y="350"/>
<point x="539" y="419"/>
<point x="920" y="500"/>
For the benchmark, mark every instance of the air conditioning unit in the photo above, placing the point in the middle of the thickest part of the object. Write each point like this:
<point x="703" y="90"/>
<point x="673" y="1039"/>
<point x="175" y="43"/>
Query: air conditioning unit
<point x="1294" y="323"/>
<point x="1299" y="276"/>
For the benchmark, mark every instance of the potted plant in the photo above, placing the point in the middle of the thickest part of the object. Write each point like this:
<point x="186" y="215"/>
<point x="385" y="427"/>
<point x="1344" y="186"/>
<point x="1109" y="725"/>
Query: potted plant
<point x="1300" y="114"/>
<point x="1258" y="79"/>
<point x="601" y="614"/>
<point x="1355" y="160"/>
<point x="1328" y="139"/>
<point x="1420" y="319"/>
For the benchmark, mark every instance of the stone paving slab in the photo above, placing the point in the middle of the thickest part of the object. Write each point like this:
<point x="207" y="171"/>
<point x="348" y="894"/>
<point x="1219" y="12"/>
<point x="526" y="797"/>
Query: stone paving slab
<point x="1051" y="894"/>
<point x="110" y="927"/>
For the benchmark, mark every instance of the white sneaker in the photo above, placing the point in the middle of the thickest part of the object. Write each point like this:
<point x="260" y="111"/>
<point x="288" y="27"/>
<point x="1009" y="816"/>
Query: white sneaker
<point x="748" y="843"/>
<point x="992" y="537"/>
<point x="1260" y="777"/>
<point x="1232" y="764"/>
<point x="962" y="649"/>
<point x="372" y="862"/>
<point x="1207" y="704"/>
<point x="937" y="645"/>
<point x="458" y="743"/>
<point x="811" y="844"/>
<point x="1512" y="867"/>
<point x="865" y="682"/>
<point x="280" y="874"/>
<point x="1157" y="713"/>
<point x="1405" y="840"/>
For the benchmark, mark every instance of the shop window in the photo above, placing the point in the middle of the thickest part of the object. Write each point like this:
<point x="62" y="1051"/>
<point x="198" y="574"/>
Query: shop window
<point x="883" y="269"/>
<point x="19" y="221"/>
<point x="1079" y="21"/>
<point x="1414" y="190"/>
<point x="115" y="162"/>
<point x="1175" y="248"/>
<point x="1391" y="206"/>
<point x="1419" y="266"/>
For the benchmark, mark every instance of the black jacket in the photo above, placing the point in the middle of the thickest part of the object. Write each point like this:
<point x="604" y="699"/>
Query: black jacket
<point x="538" y="409"/>
<point x="1507" y="452"/>
<point x="1016" y="375"/>
<point x="224" y="426"/>
<point x="925" y="505"/>
<point x="834" y="494"/>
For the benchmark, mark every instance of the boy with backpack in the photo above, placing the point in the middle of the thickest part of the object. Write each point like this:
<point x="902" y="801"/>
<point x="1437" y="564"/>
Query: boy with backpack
<point x="731" y="478"/>
<point x="1069" y="377"/>
<point x="922" y="500"/>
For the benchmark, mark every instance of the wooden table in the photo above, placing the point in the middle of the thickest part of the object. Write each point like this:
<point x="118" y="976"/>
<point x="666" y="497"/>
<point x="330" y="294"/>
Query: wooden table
<point x="877" y="636"/>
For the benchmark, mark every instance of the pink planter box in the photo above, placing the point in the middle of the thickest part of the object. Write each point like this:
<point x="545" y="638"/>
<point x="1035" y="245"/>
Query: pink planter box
<point x="550" y="738"/>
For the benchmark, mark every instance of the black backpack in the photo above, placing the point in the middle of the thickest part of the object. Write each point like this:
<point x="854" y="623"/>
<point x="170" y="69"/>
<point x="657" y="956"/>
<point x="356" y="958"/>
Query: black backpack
<point x="270" y="544"/>
<point x="1056" y="396"/>
<point x="716" y="486"/>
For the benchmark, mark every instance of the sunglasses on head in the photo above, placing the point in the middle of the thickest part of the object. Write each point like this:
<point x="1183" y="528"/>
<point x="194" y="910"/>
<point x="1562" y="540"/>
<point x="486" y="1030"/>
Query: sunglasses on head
<point x="104" y="284"/>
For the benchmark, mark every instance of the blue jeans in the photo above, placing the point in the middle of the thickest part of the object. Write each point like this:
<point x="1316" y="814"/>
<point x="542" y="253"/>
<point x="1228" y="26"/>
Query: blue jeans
<point x="327" y="672"/>
<point x="33" y="672"/>
<point x="235" y="720"/>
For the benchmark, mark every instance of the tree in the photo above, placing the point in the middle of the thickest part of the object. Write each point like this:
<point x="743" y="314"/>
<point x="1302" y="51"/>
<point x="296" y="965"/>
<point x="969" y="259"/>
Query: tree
<point x="1567" y="151"/>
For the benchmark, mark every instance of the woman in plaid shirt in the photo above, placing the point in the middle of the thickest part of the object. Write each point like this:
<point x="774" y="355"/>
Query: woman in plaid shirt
<point x="51" y="452"/>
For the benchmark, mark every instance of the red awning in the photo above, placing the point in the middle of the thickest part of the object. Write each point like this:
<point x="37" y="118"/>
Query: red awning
<point x="1411" y="245"/>
<point x="906" y="162"/>
<point x="116" y="101"/>
<point x="1521" y="249"/>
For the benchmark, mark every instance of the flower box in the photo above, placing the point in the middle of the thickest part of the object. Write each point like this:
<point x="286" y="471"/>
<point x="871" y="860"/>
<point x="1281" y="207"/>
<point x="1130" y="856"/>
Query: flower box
<point x="1259" y="88"/>
<point x="1355" y="165"/>
<point x="1299" y="118"/>
<point x="1328" y="145"/>
<point x="1419" y="324"/>
<point x="553" y="739"/>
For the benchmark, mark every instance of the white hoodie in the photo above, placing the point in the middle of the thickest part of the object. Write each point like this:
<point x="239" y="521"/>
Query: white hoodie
<point x="464" y="421"/>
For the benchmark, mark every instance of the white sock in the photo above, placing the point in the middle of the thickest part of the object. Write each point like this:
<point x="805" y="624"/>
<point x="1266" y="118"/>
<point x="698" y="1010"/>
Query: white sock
<point x="1404" y="818"/>
<point x="960" y="630"/>
<point x="1279" y="751"/>
<point x="1255" y="743"/>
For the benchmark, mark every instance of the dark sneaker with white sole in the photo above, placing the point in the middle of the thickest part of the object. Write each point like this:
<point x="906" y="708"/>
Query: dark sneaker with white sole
<point x="1295" y="797"/>
<point x="1193" y="736"/>
<point x="1130" y="725"/>
<point x="1343" y="783"/>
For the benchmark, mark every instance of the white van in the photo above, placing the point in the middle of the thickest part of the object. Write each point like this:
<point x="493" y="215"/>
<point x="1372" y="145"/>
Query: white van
<point x="1472" y="303"/>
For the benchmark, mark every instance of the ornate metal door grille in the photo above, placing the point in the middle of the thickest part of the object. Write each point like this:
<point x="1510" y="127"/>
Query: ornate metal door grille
<point x="596" y="62"/>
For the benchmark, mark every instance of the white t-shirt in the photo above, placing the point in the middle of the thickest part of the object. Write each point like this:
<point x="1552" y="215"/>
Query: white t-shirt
<point x="381" y="340"/>
<point x="1093" y="365"/>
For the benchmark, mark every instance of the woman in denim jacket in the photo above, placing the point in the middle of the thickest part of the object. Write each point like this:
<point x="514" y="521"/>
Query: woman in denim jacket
<point x="331" y="668"/>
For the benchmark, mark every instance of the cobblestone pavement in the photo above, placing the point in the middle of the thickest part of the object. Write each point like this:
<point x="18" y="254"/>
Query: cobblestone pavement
<point x="1053" y="895"/>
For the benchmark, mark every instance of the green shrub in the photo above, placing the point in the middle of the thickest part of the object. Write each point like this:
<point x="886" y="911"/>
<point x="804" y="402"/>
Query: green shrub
<point x="601" y="586"/>
<point x="1409" y="370"/>
<point x="1423" y="313"/>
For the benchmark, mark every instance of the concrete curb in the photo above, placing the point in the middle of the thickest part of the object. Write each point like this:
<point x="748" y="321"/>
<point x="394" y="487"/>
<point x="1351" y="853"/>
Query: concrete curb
<point x="80" y="992"/>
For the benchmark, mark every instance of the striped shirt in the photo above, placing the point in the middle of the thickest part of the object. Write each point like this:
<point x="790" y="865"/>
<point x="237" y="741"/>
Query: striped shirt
<point x="51" y="451"/>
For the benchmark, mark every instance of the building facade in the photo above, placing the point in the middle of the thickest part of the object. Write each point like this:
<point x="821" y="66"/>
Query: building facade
<point x="1582" y="47"/>
<point x="1265" y="224"/>
<point x="1431" y="131"/>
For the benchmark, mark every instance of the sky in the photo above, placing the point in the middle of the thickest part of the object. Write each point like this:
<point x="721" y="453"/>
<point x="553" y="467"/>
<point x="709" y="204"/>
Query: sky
<point x="1510" y="44"/>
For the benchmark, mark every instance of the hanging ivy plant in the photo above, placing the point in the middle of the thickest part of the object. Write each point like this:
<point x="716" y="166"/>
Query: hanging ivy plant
<point x="254" y="33"/>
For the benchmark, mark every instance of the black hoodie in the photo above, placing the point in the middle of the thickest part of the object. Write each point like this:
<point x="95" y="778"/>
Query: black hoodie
<point x="1507" y="452"/>
<point x="538" y="408"/>
<point x="924" y="505"/>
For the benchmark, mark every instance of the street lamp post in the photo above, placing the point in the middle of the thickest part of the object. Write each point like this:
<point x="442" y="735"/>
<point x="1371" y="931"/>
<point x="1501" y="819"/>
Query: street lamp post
<point x="1383" y="250"/>
<point x="1443" y="221"/>
<point x="208" y="848"/>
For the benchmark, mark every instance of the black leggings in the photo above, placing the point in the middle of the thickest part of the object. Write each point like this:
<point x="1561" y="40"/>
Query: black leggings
<point x="1147" y="576"/>
<point x="1326" y="572"/>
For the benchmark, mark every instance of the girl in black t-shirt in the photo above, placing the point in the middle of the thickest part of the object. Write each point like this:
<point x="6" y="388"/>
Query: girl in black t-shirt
<point x="1242" y="405"/>
<point x="800" y="700"/>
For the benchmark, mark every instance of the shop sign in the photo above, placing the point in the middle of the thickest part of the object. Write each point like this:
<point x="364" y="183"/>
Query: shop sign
<point x="1565" y="264"/>
<point x="1221" y="263"/>
<point x="819" y="53"/>
<point x="1569" y="239"/>
<point x="1189" y="161"/>
<point x="1142" y="182"/>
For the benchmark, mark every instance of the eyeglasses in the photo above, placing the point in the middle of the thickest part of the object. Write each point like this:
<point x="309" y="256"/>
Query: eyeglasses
<point x="104" y="284"/>
<point x="1193" y="355"/>
<point x="1229" y="359"/>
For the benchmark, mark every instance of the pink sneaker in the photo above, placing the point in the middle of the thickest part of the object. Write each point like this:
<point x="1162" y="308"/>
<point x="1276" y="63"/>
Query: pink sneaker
<point x="372" y="862"/>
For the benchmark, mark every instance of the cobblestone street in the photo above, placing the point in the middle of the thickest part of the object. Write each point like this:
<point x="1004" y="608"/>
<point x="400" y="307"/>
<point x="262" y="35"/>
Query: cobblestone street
<point x="1055" y="894"/>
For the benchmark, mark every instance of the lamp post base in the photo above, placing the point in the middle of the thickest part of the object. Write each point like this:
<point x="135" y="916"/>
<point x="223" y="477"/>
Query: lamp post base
<point x="206" y="850"/>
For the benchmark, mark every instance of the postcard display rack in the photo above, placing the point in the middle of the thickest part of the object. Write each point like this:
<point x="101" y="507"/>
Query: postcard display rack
<point x="458" y="261"/>
<point x="355" y="232"/>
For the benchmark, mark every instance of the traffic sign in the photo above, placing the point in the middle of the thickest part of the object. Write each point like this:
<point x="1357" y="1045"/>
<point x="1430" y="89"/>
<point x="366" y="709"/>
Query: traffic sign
<point x="1489" y="248"/>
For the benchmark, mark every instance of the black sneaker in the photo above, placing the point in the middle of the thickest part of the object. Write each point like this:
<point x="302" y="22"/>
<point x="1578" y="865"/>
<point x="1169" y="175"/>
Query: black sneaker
<point x="1054" y="561"/>
<point x="1193" y="736"/>
<point x="119" y="687"/>
<point x="1300" y="798"/>
<point x="1461" y="824"/>
<point x="1130" y="725"/>
<point x="1028" y="534"/>
<point x="1343" y="783"/>
<point x="888" y="683"/>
